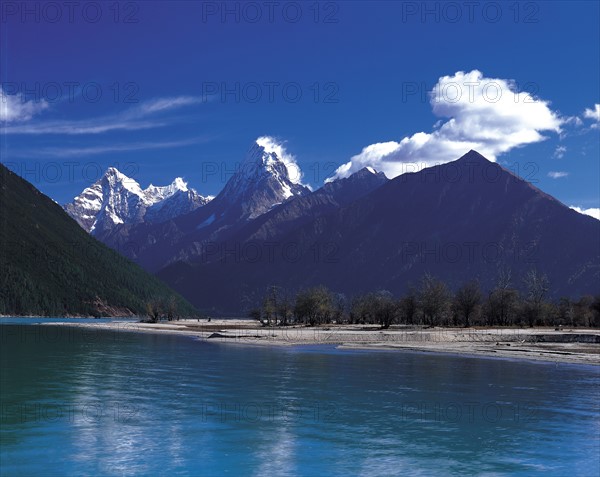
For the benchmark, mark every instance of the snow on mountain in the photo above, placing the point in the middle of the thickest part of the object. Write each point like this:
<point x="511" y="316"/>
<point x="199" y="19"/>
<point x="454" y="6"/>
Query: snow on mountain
<point x="268" y="176"/>
<point x="156" y="194"/>
<point x="179" y="201"/>
<point x="117" y="199"/>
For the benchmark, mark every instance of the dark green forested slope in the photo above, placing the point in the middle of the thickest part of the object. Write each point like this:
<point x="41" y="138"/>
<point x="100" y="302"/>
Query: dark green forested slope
<point x="50" y="266"/>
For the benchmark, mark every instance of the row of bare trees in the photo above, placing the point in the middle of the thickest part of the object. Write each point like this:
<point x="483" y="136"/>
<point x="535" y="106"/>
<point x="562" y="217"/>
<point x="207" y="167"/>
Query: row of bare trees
<point x="432" y="303"/>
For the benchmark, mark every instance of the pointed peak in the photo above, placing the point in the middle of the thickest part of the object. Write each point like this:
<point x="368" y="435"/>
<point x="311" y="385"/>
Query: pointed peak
<point x="154" y="194"/>
<point x="473" y="156"/>
<point x="268" y="176"/>
<point x="113" y="172"/>
<point x="113" y="178"/>
<point x="270" y="154"/>
<point x="179" y="184"/>
<point x="255" y="152"/>
<point x="268" y="158"/>
<point x="367" y="172"/>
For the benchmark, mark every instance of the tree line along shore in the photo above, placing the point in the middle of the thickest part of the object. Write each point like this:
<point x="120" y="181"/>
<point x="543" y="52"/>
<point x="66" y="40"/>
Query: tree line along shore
<point x="432" y="303"/>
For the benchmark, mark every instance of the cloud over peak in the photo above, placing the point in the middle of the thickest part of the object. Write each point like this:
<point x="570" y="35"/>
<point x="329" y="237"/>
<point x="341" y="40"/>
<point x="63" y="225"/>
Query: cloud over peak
<point x="489" y="115"/>
<point x="273" y="145"/>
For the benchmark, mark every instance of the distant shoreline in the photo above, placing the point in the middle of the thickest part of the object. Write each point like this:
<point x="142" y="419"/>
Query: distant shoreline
<point x="570" y="345"/>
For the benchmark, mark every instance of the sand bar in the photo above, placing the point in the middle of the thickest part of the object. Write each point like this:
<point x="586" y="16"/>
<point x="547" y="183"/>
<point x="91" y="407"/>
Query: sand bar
<point x="569" y="345"/>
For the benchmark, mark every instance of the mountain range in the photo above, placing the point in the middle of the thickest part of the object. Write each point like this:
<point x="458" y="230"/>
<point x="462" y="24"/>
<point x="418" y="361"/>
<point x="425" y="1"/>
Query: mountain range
<point x="117" y="199"/>
<point x="262" y="181"/>
<point x="458" y="221"/>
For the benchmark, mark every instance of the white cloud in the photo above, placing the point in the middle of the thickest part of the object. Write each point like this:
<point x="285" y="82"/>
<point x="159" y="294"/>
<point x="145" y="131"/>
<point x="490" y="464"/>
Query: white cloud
<point x="132" y="119"/>
<point x="557" y="175"/>
<point x="593" y="212"/>
<point x="593" y="114"/>
<point x="14" y="108"/>
<point x="489" y="115"/>
<point x="270" y="144"/>
<point x="559" y="152"/>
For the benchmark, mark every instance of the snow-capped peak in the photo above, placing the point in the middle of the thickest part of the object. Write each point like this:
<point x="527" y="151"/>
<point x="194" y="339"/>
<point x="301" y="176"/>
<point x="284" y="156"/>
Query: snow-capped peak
<point x="179" y="184"/>
<point x="118" y="199"/>
<point x="115" y="179"/>
<point x="274" y="149"/>
<point x="268" y="176"/>
<point x="155" y="194"/>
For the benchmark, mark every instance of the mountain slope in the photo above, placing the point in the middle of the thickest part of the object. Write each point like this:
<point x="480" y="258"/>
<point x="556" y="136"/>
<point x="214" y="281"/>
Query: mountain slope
<point x="51" y="266"/>
<point x="458" y="221"/>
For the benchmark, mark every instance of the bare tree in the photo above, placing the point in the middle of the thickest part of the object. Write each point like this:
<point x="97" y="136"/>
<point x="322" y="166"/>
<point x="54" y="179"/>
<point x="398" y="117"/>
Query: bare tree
<point x="433" y="300"/>
<point x="362" y="309"/>
<point x="256" y="314"/>
<point x="339" y="307"/>
<point x="502" y="300"/>
<point x="466" y="301"/>
<point x="284" y="308"/>
<point x="384" y="308"/>
<point x="314" y="306"/>
<point x="566" y="312"/>
<point x="537" y="287"/>
<point x="153" y="310"/>
<point x="170" y="307"/>
<point x="408" y="307"/>
<point x="271" y="305"/>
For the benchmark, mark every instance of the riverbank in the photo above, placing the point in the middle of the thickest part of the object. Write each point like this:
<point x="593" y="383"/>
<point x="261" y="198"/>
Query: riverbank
<point x="546" y="344"/>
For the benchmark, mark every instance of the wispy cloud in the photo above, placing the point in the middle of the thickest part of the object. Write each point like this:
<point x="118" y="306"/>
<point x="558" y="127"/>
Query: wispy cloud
<point x="51" y="152"/>
<point x="557" y="174"/>
<point x="92" y="126"/>
<point x="134" y="118"/>
<point x="14" y="108"/>
<point x="559" y="152"/>
<point x="165" y="104"/>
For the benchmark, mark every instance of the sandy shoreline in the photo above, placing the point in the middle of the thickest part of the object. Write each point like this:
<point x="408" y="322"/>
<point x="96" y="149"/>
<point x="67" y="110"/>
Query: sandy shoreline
<point x="545" y="344"/>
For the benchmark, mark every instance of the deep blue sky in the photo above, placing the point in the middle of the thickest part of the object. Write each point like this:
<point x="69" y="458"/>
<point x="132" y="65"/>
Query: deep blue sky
<point x="362" y="59"/>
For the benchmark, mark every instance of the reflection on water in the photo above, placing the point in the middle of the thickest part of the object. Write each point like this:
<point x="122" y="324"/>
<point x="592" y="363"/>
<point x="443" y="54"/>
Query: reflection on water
<point x="105" y="403"/>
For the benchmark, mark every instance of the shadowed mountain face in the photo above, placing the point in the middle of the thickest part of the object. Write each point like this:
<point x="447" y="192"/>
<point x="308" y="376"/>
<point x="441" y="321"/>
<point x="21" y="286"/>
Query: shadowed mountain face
<point x="51" y="266"/>
<point x="457" y="221"/>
